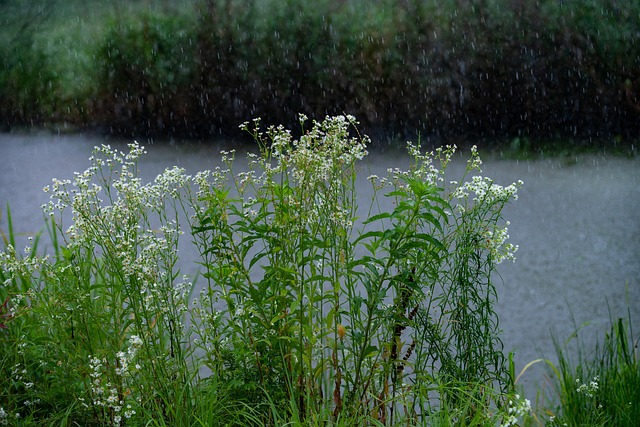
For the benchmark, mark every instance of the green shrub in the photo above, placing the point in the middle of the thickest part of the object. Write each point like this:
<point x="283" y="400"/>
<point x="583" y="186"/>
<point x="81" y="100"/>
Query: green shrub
<point x="473" y="68"/>
<point x="449" y="68"/>
<point x="25" y="87"/>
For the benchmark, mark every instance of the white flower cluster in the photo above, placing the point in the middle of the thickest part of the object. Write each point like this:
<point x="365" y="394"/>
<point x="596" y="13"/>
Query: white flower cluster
<point x="317" y="154"/>
<point x="315" y="166"/>
<point x="516" y="410"/>
<point x="590" y="389"/>
<point x="423" y="164"/>
<point x="115" y="216"/>
<point x="120" y="217"/>
<point x="485" y="190"/>
<point x="496" y="243"/>
<point x="107" y="395"/>
<point x="14" y="266"/>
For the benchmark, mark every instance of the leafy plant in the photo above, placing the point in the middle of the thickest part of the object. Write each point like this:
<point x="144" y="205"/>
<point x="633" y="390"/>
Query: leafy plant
<point x="331" y="317"/>
<point x="103" y="315"/>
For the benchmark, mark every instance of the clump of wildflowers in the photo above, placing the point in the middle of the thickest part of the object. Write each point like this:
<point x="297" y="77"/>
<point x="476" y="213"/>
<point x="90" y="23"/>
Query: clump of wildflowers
<point x="590" y="389"/>
<point x="112" y="393"/>
<point x="284" y="273"/>
<point x="518" y="408"/>
<point x="116" y="268"/>
<point x="296" y="301"/>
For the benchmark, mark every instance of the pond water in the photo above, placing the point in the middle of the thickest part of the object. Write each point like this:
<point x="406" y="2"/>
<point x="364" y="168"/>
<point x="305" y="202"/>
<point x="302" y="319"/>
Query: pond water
<point x="577" y="222"/>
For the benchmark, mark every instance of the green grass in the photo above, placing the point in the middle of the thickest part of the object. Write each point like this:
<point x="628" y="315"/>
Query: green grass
<point x="598" y="386"/>
<point x="528" y="149"/>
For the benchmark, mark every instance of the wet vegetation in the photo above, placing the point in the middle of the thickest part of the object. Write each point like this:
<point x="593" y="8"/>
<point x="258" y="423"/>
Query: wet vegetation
<point x="478" y="69"/>
<point x="303" y="313"/>
<point x="598" y="386"/>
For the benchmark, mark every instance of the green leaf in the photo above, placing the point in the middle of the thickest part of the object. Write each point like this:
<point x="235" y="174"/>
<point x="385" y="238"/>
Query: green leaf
<point x="67" y="254"/>
<point x="371" y="351"/>
<point x="329" y="318"/>
<point x="429" y="238"/>
<point x="368" y="234"/>
<point x="430" y="219"/>
<point x="420" y="188"/>
<point x="377" y="217"/>
<point x="397" y="193"/>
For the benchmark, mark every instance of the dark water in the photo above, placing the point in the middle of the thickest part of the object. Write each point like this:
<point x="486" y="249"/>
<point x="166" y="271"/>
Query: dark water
<point x="577" y="223"/>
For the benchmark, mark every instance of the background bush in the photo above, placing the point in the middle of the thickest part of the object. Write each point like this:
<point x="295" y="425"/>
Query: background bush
<point x="144" y="74"/>
<point x="27" y="81"/>
<point x="472" y="68"/>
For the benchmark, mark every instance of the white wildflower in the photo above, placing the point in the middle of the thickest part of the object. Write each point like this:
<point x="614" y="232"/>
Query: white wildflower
<point x="518" y="407"/>
<point x="590" y="389"/>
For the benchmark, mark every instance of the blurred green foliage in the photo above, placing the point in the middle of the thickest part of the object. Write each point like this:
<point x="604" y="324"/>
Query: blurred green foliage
<point x="27" y="82"/>
<point x="144" y="72"/>
<point x="472" y="68"/>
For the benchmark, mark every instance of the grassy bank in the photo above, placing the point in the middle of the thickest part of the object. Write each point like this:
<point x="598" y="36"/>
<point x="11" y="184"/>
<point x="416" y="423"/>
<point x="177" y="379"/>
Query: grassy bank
<point x="482" y="69"/>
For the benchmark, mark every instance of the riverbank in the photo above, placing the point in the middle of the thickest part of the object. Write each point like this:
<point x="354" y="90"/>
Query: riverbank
<point x="518" y="148"/>
<point x="479" y="70"/>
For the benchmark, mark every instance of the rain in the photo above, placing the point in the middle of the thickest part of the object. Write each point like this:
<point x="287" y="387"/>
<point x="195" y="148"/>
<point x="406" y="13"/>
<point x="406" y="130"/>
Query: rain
<point x="549" y="92"/>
